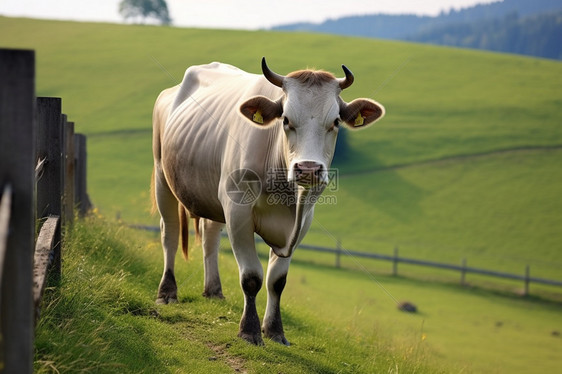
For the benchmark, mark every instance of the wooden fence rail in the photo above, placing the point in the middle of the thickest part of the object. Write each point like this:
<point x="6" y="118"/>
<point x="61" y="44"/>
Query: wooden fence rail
<point x="396" y="259"/>
<point x="463" y="269"/>
<point x="42" y="177"/>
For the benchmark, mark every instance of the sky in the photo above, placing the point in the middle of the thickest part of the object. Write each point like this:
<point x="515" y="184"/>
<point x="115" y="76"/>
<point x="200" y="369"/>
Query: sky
<point x="239" y="14"/>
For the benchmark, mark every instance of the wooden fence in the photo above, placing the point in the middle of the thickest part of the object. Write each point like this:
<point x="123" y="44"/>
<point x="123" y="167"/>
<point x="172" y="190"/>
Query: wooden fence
<point x="42" y="178"/>
<point x="463" y="269"/>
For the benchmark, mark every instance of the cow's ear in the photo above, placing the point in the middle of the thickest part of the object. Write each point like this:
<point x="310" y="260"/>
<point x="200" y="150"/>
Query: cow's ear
<point x="261" y="111"/>
<point x="360" y="113"/>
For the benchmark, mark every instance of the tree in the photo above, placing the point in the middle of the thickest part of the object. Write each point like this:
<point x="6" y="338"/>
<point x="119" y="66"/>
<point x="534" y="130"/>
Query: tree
<point x="145" y="9"/>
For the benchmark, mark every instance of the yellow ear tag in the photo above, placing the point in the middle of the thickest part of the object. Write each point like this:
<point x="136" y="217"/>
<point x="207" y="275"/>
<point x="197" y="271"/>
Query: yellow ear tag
<point x="359" y="120"/>
<point x="257" y="118"/>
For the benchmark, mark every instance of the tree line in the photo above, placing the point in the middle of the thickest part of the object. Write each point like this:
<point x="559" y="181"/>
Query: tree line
<point x="514" y="26"/>
<point x="536" y="35"/>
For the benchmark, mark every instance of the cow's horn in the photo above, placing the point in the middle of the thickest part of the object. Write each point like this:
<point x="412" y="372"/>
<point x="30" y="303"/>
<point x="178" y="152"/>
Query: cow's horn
<point x="271" y="76"/>
<point x="348" y="80"/>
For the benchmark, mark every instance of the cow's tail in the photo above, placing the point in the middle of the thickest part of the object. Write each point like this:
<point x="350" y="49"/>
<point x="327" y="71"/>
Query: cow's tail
<point x="196" y="221"/>
<point x="153" y="208"/>
<point x="184" y="230"/>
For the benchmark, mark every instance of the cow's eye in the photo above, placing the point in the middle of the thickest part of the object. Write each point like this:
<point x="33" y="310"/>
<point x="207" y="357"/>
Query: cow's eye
<point x="335" y="125"/>
<point x="287" y="124"/>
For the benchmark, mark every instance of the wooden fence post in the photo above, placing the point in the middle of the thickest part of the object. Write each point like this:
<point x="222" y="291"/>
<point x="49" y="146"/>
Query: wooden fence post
<point x="50" y="182"/>
<point x="463" y="272"/>
<point x="395" y="262"/>
<point x="17" y="152"/>
<point x="81" y="198"/>
<point x="527" y="280"/>
<point x="49" y="148"/>
<point x="68" y="198"/>
<point x="338" y="253"/>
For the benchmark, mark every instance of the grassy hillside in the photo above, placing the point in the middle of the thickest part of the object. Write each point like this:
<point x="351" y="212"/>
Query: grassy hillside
<point x="466" y="164"/>
<point x="115" y="327"/>
<point x="442" y="104"/>
<point x="500" y="211"/>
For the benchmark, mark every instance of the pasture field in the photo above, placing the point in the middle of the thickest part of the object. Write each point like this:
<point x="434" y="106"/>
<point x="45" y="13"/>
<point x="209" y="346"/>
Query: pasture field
<point x="465" y="164"/>
<point x="116" y="327"/>
<point x="491" y="209"/>
<point x="492" y="120"/>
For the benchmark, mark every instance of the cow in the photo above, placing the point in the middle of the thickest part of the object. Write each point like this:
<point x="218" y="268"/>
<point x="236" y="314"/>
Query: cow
<point x="224" y="141"/>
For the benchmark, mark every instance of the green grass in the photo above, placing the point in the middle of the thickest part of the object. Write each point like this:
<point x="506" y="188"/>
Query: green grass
<point x="471" y="329"/>
<point x="116" y="327"/>
<point x="499" y="211"/>
<point x="465" y="165"/>
<point x="441" y="103"/>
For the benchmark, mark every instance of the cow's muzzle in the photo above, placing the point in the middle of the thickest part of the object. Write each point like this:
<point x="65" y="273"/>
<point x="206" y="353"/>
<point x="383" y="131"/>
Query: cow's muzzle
<point x="309" y="173"/>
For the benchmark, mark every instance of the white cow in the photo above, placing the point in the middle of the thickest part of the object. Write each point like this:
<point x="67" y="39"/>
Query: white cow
<point x="224" y="141"/>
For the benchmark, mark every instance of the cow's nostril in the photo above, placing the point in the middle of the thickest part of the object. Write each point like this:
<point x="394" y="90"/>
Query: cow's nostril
<point x="308" y="173"/>
<point x="309" y="166"/>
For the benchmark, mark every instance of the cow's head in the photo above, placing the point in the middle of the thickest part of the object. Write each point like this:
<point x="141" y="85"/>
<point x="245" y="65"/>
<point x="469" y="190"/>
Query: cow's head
<point x="311" y="112"/>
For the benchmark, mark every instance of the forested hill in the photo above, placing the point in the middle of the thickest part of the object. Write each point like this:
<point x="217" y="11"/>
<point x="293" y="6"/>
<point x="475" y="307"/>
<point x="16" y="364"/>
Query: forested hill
<point x="536" y="35"/>
<point x="514" y="26"/>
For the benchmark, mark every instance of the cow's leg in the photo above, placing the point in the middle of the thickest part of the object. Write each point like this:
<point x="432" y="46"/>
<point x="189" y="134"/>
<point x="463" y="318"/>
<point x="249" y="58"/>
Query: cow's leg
<point x="169" y="226"/>
<point x="251" y="281"/>
<point x="210" y="238"/>
<point x="251" y="276"/>
<point x="275" y="282"/>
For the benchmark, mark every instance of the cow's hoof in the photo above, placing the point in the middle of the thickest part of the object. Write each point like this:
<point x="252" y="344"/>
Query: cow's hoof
<point x="251" y="338"/>
<point x="213" y="295"/>
<point x="166" y="300"/>
<point x="279" y="339"/>
<point x="161" y="301"/>
<point x="213" y="290"/>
